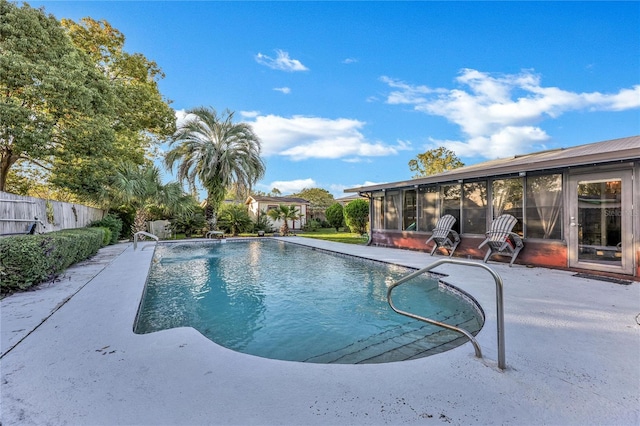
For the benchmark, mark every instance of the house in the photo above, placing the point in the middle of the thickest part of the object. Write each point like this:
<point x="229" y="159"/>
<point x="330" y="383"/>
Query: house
<point x="575" y="206"/>
<point x="256" y="204"/>
<point x="349" y="198"/>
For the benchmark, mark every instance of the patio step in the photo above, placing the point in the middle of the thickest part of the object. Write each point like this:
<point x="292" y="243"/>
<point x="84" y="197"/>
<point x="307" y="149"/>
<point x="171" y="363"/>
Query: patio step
<point x="411" y="340"/>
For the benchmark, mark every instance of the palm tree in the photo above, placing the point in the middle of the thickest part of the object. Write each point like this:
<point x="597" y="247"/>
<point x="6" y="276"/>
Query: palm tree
<point x="141" y="188"/>
<point x="235" y="218"/>
<point x="284" y="213"/>
<point x="217" y="153"/>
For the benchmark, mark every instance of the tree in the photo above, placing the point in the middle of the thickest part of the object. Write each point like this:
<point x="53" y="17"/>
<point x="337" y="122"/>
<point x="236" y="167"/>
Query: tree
<point x="335" y="215"/>
<point x="319" y="199"/>
<point x="55" y="103"/>
<point x="141" y="115"/>
<point x="434" y="161"/>
<point x="357" y="216"/>
<point x="284" y="213"/>
<point x="141" y="188"/>
<point x="216" y="152"/>
<point x="234" y="218"/>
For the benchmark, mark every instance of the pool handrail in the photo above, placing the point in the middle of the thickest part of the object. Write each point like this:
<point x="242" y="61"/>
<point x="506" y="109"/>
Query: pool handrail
<point x="499" y="303"/>
<point x="146" y="234"/>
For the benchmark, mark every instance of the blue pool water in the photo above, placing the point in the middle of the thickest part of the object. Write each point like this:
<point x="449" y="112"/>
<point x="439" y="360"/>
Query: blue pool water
<point x="284" y="301"/>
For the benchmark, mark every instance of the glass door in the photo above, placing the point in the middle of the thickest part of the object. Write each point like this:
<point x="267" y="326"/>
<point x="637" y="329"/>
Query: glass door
<point x="600" y="222"/>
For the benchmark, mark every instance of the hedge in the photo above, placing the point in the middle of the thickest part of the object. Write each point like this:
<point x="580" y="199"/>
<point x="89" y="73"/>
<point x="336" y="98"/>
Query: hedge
<point x="27" y="260"/>
<point x="113" y="223"/>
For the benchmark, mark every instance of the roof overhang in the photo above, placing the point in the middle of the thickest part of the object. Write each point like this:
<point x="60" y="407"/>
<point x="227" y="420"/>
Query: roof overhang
<point x="615" y="151"/>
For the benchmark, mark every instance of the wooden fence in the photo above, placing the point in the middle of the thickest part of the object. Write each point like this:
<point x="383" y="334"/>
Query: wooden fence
<point x="17" y="212"/>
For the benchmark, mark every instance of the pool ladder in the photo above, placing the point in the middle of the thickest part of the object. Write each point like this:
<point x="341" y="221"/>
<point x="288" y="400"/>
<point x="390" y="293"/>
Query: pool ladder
<point x="499" y="303"/>
<point x="139" y="234"/>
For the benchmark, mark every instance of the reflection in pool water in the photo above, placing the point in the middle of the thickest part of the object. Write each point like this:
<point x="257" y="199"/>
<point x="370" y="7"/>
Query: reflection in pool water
<point x="284" y="301"/>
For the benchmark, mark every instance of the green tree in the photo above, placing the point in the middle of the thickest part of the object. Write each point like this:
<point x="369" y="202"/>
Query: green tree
<point x="144" y="115"/>
<point x="234" y="218"/>
<point x="357" y="216"/>
<point x="319" y="199"/>
<point x="141" y="188"/>
<point x="434" y="161"/>
<point x="284" y="213"/>
<point x="335" y="215"/>
<point x="54" y="101"/>
<point x="141" y="115"/>
<point x="216" y="152"/>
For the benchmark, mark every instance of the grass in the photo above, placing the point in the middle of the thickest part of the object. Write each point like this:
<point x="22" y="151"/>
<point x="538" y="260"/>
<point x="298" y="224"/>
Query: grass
<point x="328" y="234"/>
<point x="332" y="235"/>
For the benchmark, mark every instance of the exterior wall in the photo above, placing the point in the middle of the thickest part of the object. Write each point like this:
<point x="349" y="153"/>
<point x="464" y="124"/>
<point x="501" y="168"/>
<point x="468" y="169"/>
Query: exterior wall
<point x="256" y="206"/>
<point x="562" y="244"/>
<point x="17" y="211"/>
<point x="552" y="254"/>
<point x="636" y="216"/>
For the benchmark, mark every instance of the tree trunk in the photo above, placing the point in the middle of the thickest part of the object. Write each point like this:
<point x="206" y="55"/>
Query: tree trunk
<point x="7" y="159"/>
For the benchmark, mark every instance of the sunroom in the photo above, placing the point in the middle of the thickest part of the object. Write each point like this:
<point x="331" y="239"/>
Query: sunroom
<point x="574" y="206"/>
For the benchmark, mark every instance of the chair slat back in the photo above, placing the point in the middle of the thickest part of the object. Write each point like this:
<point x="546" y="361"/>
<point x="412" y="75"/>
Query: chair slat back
<point x="501" y="227"/>
<point x="444" y="225"/>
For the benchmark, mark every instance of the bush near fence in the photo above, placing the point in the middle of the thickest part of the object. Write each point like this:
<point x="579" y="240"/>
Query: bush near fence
<point x="28" y="260"/>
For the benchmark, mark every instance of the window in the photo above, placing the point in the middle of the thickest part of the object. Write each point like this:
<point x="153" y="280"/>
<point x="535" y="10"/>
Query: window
<point x="427" y="204"/>
<point x="377" y="211"/>
<point x="544" y="207"/>
<point x="450" y="195"/>
<point x="508" y="196"/>
<point x="392" y="205"/>
<point x="409" y="210"/>
<point x="474" y="208"/>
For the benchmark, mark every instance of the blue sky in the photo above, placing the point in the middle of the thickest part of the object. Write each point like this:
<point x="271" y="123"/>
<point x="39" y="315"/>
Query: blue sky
<point x="344" y="94"/>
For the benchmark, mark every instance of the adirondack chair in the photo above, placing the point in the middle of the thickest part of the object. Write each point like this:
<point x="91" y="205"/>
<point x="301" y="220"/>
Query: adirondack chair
<point x="444" y="236"/>
<point x="500" y="239"/>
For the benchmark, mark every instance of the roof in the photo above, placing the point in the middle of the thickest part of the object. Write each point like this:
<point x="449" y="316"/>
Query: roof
<point x="616" y="150"/>
<point x="280" y="200"/>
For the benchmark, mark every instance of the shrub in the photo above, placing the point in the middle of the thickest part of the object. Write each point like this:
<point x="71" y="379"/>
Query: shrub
<point x="27" y="260"/>
<point x="189" y="223"/>
<point x="106" y="239"/>
<point x="114" y="224"/>
<point x="313" y="225"/>
<point x="234" y="218"/>
<point x="335" y="215"/>
<point x="357" y="216"/>
<point x="262" y="223"/>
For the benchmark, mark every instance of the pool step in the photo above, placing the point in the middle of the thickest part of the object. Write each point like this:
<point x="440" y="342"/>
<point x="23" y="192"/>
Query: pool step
<point x="411" y="340"/>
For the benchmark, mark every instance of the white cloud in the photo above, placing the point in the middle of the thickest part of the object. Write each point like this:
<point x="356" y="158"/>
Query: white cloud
<point x="284" y="90"/>
<point x="499" y="114"/>
<point x="301" y="138"/>
<point x="293" y="186"/>
<point x="350" y="61"/>
<point x="281" y="62"/>
<point x="249" y="114"/>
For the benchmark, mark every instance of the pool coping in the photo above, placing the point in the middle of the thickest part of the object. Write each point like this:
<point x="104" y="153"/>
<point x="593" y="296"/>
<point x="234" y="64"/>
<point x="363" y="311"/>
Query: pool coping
<point x="573" y="357"/>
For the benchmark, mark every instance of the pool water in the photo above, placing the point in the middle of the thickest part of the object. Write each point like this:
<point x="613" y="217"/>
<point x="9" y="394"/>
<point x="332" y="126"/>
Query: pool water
<point x="289" y="302"/>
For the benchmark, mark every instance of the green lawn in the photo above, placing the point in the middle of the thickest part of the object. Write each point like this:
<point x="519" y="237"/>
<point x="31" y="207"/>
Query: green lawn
<point x="321" y="234"/>
<point x="332" y="235"/>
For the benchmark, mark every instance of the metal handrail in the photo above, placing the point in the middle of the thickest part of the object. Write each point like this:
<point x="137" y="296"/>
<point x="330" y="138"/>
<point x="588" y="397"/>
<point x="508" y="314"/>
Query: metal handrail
<point x="137" y="234"/>
<point x="499" y="302"/>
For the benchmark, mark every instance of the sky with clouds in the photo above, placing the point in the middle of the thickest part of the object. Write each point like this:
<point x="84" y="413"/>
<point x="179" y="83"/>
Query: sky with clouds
<point x="344" y="94"/>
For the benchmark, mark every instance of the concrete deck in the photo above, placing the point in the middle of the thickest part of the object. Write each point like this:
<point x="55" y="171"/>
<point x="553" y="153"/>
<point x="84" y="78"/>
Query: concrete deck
<point x="69" y="356"/>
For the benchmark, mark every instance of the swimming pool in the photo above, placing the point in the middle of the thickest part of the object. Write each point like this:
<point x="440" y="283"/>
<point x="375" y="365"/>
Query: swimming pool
<point x="284" y="301"/>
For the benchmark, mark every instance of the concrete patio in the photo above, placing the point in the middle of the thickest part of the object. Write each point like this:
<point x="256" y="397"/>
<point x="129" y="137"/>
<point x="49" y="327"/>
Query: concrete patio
<point x="69" y="356"/>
